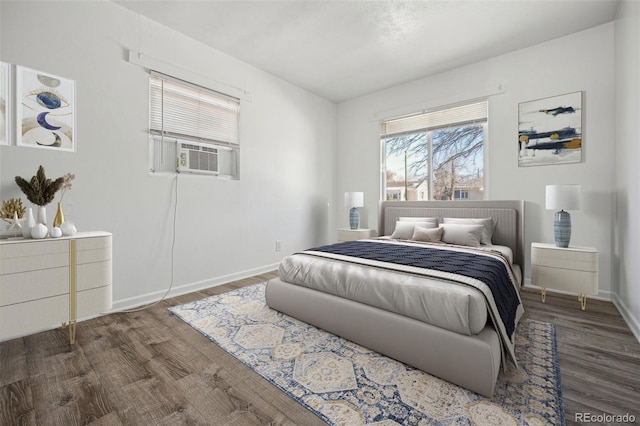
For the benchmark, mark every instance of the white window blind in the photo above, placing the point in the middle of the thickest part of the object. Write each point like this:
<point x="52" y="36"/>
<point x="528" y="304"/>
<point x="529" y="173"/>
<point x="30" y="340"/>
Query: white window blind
<point x="461" y="115"/>
<point x="185" y="111"/>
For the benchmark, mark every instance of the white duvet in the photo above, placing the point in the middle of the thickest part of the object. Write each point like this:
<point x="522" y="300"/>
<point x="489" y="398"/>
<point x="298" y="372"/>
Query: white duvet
<point x="452" y="306"/>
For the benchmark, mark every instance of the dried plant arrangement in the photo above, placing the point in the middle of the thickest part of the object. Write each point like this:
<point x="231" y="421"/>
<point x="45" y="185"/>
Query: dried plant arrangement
<point x="40" y="190"/>
<point x="11" y="208"/>
<point x="66" y="184"/>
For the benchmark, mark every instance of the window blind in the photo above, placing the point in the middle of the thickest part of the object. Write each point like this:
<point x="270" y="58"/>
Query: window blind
<point x="186" y="111"/>
<point x="456" y="116"/>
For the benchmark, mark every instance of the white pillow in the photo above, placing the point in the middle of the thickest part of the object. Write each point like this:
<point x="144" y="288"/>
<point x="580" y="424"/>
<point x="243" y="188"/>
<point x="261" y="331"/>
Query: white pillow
<point x="488" y="223"/>
<point x="433" y="220"/>
<point x="404" y="230"/>
<point x="463" y="235"/>
<point x="430" y="235"/>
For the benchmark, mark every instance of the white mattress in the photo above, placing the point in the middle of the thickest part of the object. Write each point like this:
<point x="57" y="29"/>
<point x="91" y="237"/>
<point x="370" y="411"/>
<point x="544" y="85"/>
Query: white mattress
<point x="455" y="307"/>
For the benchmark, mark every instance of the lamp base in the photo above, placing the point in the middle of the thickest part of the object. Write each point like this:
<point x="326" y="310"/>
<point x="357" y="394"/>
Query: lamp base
<point x="562" y="228"/>
<point x="354" y="218"/>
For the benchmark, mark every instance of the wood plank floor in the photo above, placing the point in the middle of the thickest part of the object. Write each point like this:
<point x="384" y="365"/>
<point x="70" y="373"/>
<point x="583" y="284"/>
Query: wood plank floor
<point x="149" y="367"/>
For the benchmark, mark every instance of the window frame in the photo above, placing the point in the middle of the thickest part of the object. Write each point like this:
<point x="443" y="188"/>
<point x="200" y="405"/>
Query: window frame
<point x="476" y="117"/>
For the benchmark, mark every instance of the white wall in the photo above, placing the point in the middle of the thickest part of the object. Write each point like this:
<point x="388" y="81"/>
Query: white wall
<point x="627" y="253"/>
<point x="225" y="229"/>
<point x="579" y="62"/>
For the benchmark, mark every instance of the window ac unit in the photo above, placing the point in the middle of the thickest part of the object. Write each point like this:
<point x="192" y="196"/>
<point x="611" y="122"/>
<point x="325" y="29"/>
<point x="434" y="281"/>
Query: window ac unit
<point x="197" y="158"/>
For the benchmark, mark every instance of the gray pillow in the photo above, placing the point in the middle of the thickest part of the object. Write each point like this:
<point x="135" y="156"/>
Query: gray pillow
<point x="461" y="234"/>
<point x="404" y="230"/>
<point x="488" y="223"/>
<point x="430" y="235"/>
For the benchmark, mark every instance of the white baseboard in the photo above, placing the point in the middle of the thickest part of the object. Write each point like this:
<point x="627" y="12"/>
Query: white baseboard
<point x="145" y="299"/>
<point x="628" y="317"/>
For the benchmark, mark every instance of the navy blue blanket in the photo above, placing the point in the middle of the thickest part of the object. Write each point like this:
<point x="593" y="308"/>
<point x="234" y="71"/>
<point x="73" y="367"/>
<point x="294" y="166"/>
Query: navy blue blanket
<point x="486" y="269"/>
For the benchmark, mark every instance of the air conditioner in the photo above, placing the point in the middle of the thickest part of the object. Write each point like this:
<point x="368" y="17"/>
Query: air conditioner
<point x="197" y="158"/>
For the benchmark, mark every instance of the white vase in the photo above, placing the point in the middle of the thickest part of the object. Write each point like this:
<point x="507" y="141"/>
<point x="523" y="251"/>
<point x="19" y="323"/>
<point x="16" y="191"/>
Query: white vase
<point x="55" y="232"/>
<point x="39" y="231"/>
<point x="68" y="229"/>
<point x="42" y="215"/>
<point x="28" y="223"/>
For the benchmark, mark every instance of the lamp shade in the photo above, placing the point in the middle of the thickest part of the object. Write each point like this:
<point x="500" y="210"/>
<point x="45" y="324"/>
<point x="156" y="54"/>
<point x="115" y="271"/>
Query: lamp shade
<point x="353" y="199"/>
<point x="563" y="197"/>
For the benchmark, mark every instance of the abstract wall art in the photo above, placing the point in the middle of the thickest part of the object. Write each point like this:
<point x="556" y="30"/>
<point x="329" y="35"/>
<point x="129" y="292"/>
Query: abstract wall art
<point x="45" y="106"/>
<point x="4" y="103"/>
<point x="550" y="130"/>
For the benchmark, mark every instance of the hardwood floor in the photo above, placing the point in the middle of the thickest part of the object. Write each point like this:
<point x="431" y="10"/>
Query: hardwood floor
<point x="149" y="367"/>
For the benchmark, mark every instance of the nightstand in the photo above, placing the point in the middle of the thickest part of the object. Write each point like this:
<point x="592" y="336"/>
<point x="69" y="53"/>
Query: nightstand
<point x="572" y="269"/>
<point x="346" y="234"/>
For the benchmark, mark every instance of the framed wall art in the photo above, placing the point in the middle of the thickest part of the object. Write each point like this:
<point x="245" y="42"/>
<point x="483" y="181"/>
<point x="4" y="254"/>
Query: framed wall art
<point x="5" y="107"/>
<point x="550" y="130"/>
<point x="45" y="110"/>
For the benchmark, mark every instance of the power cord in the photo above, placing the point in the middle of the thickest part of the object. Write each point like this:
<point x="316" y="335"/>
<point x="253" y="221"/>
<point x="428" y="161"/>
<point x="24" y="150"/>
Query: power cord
<point x="173" y="245"/>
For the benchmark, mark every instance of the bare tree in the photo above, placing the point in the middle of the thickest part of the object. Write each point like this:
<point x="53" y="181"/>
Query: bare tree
<point x="454" y="151"/>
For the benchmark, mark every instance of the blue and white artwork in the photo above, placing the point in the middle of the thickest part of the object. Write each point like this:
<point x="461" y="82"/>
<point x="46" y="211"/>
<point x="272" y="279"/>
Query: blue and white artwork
<point x="44" y="110"/>
<point x="550" y="130"/>
<point x="4" y="103"/>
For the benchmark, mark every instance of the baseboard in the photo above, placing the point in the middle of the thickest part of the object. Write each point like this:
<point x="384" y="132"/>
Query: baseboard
<point x="145" y="299"/>
<point x="628" y="317"/>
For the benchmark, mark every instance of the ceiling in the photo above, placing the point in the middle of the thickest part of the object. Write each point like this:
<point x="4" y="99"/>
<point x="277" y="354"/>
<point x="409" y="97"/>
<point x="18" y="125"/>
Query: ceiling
<point x="345" y="49"/>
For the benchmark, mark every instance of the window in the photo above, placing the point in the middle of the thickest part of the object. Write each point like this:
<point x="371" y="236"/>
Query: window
<point x="193" y="129"/>
<point x="461" y="194"/>
<point x="437" y="155"/>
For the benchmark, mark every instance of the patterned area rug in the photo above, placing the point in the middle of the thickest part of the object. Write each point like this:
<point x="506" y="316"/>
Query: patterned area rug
<point x="346" y="384"/>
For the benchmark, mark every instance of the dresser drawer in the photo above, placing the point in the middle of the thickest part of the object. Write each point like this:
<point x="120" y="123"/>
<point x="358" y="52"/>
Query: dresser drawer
<point x="32" y="285"/>
<point x="94" y="274"/>
<point x="34" y="316"/>
<point x="15" y="258"/>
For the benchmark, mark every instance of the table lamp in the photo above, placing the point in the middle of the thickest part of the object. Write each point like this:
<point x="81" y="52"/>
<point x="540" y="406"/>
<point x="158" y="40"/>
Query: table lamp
<point x="353" y="200"/>
<point x="561" y="198"/>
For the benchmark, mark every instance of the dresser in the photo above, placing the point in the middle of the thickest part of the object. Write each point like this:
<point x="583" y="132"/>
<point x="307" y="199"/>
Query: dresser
<point x="53" y="281"/>
<point x="572" y="269"/>
<point x="347" y="234"/>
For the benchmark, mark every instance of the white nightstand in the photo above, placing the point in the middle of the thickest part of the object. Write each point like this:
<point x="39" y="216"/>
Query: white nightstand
<point x="346" y="234"/>
<point x="573" y="269"/>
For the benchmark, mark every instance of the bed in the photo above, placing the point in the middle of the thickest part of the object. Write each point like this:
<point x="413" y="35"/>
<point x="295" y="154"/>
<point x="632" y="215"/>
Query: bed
<point x="417" y="308"/>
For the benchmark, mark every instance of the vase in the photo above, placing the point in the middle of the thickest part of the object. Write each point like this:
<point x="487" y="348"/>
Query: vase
<point x="57" y="221"/>
<point x="28" y="223"/>
<point x="42" y="215"/>
<point x="68" y="229"/>
<point x="39" y="231"/>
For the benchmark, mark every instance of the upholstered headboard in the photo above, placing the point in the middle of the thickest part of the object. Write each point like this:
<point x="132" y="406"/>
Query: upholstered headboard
<point x="508" y="214"/>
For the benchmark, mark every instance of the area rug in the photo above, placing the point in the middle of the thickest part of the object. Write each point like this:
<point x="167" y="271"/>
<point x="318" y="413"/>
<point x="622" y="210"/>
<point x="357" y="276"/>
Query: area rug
<point x="346" y="384"/>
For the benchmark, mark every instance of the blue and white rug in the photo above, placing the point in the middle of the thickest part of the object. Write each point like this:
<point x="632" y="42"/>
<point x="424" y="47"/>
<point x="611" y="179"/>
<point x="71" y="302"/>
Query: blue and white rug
<point x="346" y="384"/>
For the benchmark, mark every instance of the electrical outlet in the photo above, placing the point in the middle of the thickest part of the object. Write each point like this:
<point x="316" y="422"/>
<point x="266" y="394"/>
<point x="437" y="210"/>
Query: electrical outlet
<point x="278" y="245"/>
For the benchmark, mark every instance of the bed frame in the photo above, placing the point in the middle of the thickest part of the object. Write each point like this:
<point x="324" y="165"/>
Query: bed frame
<point x="472" y="362"/>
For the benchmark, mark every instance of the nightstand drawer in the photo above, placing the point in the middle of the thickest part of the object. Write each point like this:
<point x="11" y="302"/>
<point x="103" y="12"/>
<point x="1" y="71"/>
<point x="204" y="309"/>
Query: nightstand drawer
<point x="345" y="234"/>
<point x="574" y="258"/>
<point x="565" y="279"/>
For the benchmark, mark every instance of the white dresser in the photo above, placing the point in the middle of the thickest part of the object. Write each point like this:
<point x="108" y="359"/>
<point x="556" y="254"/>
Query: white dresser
<point x="572" y="269"/>
<point x="346" y="234"/>
<point x="54" y="281"/>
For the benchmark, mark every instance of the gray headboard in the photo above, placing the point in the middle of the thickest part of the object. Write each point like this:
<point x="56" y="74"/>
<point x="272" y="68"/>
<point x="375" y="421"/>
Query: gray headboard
<point x="509" y="215"/>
